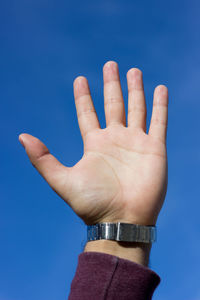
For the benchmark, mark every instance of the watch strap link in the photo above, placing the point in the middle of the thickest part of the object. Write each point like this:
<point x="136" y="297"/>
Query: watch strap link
<point x="123" y="232"/>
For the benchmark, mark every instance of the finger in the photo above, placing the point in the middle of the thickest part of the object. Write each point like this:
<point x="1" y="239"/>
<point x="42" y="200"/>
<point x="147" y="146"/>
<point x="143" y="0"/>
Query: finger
<point x="113" y="98"/>
<point x="136" y="99"/>
<point x="159" y="118"/>
<point x="56" y="174"/>
<point x="86" y="114"/>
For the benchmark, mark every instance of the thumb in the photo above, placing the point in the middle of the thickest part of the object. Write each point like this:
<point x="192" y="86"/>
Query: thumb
<point x="55" y="173"/>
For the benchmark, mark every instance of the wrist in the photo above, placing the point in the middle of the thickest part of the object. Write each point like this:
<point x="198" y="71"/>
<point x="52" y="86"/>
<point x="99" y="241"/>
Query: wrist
<point x="136" y="252"/>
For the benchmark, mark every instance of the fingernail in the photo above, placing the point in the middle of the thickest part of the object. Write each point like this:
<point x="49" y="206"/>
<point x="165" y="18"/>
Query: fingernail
<point x="21" y="141"/>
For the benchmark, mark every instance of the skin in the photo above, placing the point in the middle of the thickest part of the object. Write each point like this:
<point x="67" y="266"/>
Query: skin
<point x="122" y="176"/>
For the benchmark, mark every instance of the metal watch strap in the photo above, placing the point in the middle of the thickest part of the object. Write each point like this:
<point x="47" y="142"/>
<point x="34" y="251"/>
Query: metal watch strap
<point x="123" y="232"/>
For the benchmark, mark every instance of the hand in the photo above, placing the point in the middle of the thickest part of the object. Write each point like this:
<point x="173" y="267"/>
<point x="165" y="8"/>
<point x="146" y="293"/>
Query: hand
<point x="122" y="175"/>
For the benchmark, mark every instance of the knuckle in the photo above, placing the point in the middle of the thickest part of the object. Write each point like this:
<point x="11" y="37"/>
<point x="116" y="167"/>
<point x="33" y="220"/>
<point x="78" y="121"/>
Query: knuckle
<point x="85" y="112"/>
<point x="110" y="100"/>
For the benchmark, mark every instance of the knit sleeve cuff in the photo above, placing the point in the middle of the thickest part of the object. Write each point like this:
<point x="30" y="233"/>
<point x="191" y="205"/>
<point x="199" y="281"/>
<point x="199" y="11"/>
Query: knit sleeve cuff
<point x="102" y="276"/>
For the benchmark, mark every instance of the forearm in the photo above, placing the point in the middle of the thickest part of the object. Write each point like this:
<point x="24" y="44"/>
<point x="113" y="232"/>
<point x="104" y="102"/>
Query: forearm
<point x="109" y="269"/>
<point x="135" y="252"/>
<point x="107" y="272"/>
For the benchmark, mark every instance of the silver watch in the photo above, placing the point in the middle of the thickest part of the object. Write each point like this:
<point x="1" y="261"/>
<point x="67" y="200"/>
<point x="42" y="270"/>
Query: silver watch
<point x="122" y="232"/>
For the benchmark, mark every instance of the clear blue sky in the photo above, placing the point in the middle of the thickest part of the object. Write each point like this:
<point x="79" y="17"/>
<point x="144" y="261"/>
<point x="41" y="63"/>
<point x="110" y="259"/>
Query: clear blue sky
<point x="44" y="46"/>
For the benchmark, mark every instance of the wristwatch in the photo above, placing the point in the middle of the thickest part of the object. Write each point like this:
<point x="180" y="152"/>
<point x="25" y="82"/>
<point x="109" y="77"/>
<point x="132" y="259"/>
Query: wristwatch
<point x="122" y="232"/>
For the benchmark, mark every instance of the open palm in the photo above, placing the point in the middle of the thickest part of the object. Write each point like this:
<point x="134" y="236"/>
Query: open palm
<point x="122" y="175"/>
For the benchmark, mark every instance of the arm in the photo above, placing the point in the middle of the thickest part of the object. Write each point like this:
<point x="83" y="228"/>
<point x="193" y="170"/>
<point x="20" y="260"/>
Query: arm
<point x="136" y="252"/>
<point x="122" y="176"/>
<point x="102" y="276"/>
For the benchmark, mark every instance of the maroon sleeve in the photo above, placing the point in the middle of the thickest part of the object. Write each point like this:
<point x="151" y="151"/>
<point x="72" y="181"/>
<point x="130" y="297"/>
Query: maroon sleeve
<point x="101" y="276"/>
